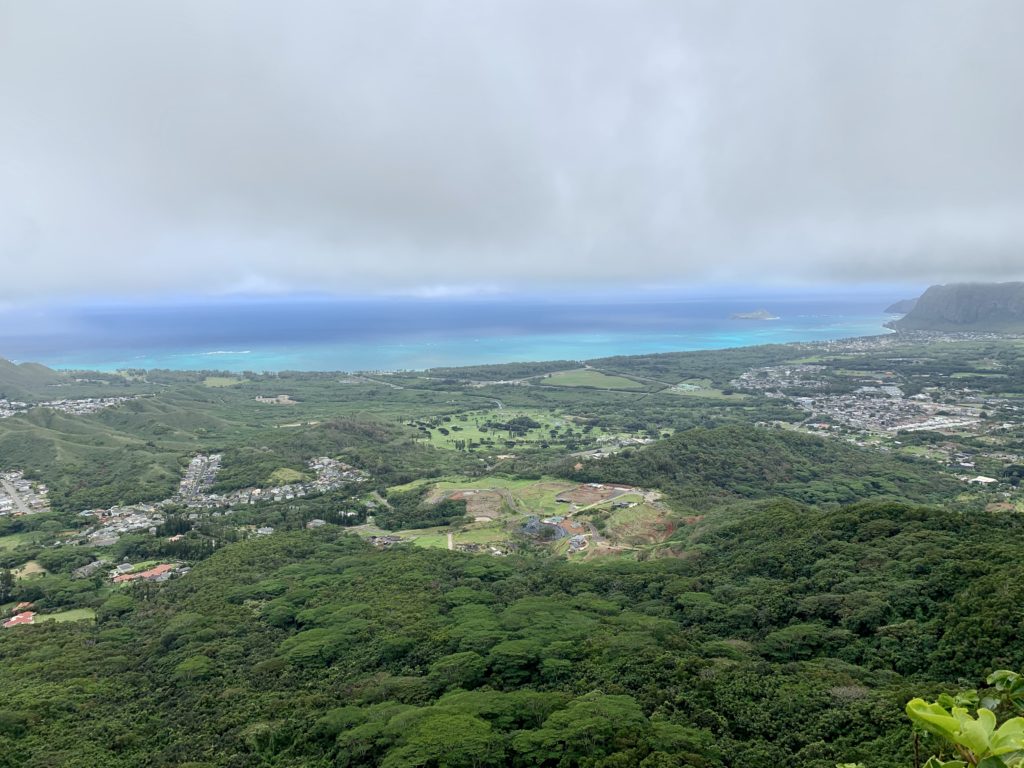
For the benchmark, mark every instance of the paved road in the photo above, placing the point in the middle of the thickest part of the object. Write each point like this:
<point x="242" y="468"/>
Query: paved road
<point x="14" y="495"/>
<point x="451" y="541"/>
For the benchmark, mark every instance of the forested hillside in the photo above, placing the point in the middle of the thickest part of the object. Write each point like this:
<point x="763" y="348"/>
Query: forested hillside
<point x="783" y="631"/>
<point x="702" y="467"/>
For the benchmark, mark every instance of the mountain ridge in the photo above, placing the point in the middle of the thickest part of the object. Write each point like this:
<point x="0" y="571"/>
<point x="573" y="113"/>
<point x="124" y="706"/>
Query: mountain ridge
<point x="994" y="307"/>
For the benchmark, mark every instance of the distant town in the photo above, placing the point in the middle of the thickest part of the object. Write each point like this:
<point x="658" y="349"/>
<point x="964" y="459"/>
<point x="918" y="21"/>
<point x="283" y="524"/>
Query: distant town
<point x="193" y="493"/>
<point x="79" y="407"/>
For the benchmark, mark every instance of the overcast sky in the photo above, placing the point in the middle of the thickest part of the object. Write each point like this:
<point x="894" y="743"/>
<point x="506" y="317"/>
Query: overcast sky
<point x="218" y="146"/>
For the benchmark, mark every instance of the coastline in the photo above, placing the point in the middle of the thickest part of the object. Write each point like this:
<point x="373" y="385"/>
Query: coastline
<point x="415" y="356"/>
<point x="415" y="336"/>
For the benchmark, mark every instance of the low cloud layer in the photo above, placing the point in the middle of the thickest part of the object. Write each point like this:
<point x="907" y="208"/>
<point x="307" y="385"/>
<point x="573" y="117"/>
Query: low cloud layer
<point x="249" y="146"/>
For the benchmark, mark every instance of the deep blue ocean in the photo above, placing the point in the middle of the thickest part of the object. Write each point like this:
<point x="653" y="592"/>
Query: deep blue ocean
<point x="404" y="334"/>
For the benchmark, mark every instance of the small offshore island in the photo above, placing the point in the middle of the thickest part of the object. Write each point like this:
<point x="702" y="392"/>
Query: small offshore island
<point x="760" y="314"/>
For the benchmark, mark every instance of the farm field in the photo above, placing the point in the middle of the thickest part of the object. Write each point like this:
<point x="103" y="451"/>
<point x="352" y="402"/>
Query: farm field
<point x="589" y="378"/>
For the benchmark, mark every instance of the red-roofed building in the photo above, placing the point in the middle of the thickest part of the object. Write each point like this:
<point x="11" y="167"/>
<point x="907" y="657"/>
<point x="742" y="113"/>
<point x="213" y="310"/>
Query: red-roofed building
<point x="28" y="617"/>
<point x="155" y="572"/>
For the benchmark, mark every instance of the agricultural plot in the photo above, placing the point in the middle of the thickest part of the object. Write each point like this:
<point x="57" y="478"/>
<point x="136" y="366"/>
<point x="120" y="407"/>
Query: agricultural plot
<point x="497" y="497"/>
<point x="702" y="388"/>
<point x="490" y="534"/>
<point x="586" y="377"/>
<point x="500" y="507"/>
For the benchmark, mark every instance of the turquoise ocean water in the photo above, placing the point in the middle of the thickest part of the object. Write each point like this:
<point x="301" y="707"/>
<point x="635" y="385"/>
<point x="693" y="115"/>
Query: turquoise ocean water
<point x="410" y="334"/>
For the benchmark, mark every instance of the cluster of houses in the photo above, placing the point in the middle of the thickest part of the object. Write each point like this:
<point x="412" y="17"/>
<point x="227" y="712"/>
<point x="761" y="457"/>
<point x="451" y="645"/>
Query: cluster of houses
<point x="78" y="407"/>
<point x="884" y="410"/>
<point x="115" y="522"/>
<point x="202" y="471"/>
<point x="878" y="406"/>
<point x="200" y="475"/>
<point x="86" y="405"/>
<point x="126" y="572"/>
<point x="777" y="378"/>
<point x="10" y="408"/>
<point x="21" y="496"/>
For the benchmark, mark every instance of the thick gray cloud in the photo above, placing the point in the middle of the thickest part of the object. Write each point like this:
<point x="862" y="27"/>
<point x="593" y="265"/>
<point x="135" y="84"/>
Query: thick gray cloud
<point x="211" y="146"/>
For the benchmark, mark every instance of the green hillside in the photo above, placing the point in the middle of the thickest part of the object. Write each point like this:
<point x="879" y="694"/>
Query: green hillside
<point x="785" y="633"/>
<point x="27" y="381"/>
<point x="703" y="467"/>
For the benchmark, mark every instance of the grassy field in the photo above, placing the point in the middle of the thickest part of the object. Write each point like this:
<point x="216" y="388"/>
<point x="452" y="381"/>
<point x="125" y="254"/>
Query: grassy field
<point x="529" y="497"/>
<point x="430" y="539"/>
<point x="479" y="533"/>
<point x="14" y="540"/>
<point x="222" y="381"/>
<point x="589" y="378"/>
<point x="520" y="499"/>
<point x="31" y="568"/>
<point x="284" y="475"/>
<point x="472" y="427"/>
<point x="702" y="388"/>
<point x="75" y="614"/>
<point x="145" y="565"/>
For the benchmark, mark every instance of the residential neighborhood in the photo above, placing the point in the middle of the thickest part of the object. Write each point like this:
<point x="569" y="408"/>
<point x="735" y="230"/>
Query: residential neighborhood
<point x="193" y="492"/>
<point x="76" y="407"/>
<point x="10" y="408"/>
<point x="21" y="496"/>
<point x="202" y="472"/>
<point x="877" y="405"/>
